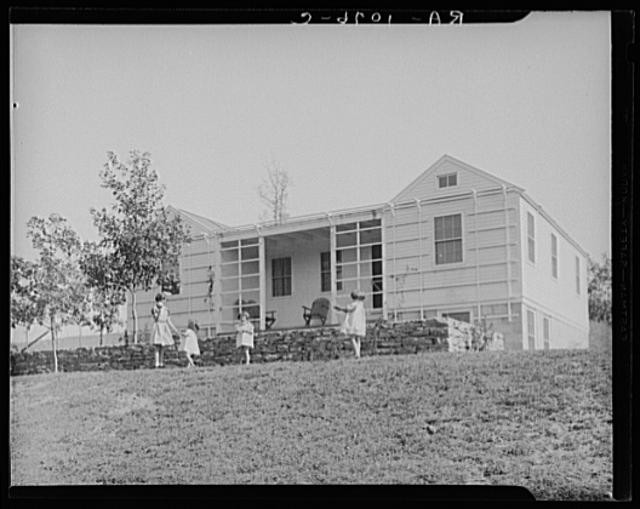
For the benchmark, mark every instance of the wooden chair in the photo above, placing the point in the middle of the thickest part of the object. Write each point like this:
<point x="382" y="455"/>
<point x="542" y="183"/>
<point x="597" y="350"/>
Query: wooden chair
<point x="269" y="319"/>
<point x="319" y="309"/>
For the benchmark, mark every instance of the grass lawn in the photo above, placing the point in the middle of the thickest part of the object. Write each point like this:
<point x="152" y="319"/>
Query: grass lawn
<point x="541" y="420"/>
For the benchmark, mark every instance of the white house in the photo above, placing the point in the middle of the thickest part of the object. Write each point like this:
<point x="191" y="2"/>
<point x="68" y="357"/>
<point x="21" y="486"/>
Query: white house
<point x="457" y="241"/>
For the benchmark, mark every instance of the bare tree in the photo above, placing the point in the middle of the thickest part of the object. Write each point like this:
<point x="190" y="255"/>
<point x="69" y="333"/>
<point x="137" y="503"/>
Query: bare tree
<point x="274" y="190"/>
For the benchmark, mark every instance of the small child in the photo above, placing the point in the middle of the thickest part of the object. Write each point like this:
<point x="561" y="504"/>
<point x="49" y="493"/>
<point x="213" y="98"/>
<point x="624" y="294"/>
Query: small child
<point x="244" y="337"/>
<point x="190" y="342"/>
<point x="355" y="320"/>
<point x="162" y="328"/>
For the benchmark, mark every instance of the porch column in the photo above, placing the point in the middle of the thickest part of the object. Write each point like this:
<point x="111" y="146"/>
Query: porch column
<point x="395" y="266"/>
<point x="421" y="253"/>
<point x="263" y="280"/>
<point x="332" y="262"/>
<point x="475" y="226"/>
<point x="508" y="251"/>
<point x="385" y="268"/>
<point x="217" y="282"/>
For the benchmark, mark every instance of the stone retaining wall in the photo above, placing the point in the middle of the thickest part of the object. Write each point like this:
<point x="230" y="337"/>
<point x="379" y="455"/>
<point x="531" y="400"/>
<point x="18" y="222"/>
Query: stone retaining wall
<point x="286" y="345"/>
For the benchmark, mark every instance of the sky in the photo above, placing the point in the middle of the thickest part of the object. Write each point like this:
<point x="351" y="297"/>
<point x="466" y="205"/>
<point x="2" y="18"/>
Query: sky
<point x="352" y="113"/>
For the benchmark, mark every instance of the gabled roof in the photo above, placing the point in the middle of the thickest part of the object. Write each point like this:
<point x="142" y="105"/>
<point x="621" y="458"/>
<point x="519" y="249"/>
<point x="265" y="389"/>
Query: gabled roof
<point x="211" y="224"/>
<point x="199" y="221"/>
<point x="447" y="158"/>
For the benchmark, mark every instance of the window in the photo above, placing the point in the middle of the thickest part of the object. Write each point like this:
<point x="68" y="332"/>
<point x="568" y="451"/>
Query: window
<point x="325" y="272"/>
<point x="376" y="271"/>
<point x="531" y="238"/>
<point x="358" y="257"/>
<point x="281" y="276"/>
<point x="460" y="316"/>
<point x="448" y="180"/>
<point x="531" y="329"/>
<point x="372" y="236"/>
<point x="577" y="275"/>
<point x="545" y="332"/>
<point x="554" y="256"/>
<point x="448" y="239"/>
<point x="371" y="223"/>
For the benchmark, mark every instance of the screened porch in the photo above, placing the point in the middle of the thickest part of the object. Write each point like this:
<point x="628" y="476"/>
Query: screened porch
<point x="272" y="275"/>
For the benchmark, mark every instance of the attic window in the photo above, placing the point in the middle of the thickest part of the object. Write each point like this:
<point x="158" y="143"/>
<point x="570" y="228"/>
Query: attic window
<point x="449" y="180"/>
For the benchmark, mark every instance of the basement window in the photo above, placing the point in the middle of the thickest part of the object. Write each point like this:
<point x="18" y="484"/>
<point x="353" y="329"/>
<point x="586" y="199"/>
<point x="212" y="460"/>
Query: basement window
<point x="460" y="316"/>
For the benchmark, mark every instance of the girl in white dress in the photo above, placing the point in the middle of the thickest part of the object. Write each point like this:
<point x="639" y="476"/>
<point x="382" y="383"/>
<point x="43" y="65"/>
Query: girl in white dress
<point x="162" y="328"/>
<point x="244" y="336"/>
<point x="355" y="320"/>
<point x="190" y="342"/>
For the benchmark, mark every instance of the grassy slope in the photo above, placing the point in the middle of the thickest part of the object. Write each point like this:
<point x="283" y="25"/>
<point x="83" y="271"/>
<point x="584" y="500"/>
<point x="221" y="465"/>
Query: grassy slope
<point x="540" y="420"/>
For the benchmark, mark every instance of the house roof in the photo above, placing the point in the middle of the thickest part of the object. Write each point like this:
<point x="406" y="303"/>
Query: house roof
<point x="208" y="222"/>
<point x="199" y="220"/>
<point x="310" y="220"/>
<point x="553" y="222"/>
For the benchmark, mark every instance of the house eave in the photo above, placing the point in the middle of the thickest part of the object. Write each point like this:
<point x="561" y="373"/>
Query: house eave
<point x="553" y="223"/>
<point x="304" y="222"/>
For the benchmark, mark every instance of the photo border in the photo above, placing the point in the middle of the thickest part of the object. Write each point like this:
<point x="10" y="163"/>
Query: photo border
<point x="624" y="209"/>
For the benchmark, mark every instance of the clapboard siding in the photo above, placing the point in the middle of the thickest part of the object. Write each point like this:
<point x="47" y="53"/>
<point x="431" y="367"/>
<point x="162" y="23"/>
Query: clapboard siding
<point x="406" y="249"/>
<point x="493" y="254"/>
<point x="492" y="218"/>
<point x="482" y="245"/>
<point x="447" y="295"/>
<point x="407" y="252"/>
<point x="197" y="260"/>
<point x="488" y="237"/>
<point x="405" y="231"/>
<point x="426" y="184"/>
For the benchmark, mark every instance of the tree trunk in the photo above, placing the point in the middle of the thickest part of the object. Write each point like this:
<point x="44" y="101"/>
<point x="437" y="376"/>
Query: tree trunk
<point x="53" y="345"/>
<point x="101" y="329"/>
<point x="134" y="316"/>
